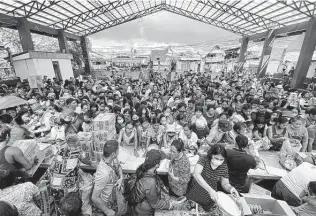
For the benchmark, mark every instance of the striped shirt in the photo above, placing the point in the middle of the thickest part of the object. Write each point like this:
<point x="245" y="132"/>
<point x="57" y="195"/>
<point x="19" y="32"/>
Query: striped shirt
<point x="212" y="178"/>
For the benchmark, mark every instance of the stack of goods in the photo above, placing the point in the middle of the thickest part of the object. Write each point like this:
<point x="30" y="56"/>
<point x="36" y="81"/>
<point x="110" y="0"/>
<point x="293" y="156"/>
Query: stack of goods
<point x="31" y="150"/>
<point x="102" y="130"/>
<point x="257" y="209"/>
<point x="60" y="179"/>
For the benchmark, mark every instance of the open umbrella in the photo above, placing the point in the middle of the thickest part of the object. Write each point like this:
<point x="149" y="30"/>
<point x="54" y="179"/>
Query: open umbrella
<point x="11" y="101"/>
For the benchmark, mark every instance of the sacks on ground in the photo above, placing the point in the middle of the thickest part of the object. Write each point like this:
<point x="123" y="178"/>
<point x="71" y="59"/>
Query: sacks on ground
<point x="287" y="153"/>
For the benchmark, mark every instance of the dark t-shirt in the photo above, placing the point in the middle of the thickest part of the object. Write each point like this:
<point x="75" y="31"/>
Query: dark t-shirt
<point x="239" y="163"/>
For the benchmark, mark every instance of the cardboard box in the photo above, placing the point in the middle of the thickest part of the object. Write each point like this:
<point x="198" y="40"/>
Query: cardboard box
<point x="29" y="148"/>
<point x="103" y="136"/>
<point x="104" y="122"/>
<point x="47" y="150"/>
<point x="257" y="190"/>
<point x="277" y="207"/>
<point x="300" y="156"/>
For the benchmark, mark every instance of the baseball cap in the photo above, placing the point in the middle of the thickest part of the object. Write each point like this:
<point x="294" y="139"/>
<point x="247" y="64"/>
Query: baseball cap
<point x="154" y="156"/>
<point x="109" y="147"/>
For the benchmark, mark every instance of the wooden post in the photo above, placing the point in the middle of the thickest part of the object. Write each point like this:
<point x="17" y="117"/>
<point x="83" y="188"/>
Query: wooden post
<point x="265" y="55"/>
<point x="62" y="40"/>
<point x="85" y="53"/>
<point x="25" y="34"/>
<point x="306" y="54"/>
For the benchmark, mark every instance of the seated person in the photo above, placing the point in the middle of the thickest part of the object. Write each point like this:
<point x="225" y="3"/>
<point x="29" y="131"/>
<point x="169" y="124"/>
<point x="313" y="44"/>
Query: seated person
<point x="239" y="162"/>
<point x="189" y="138"/>
<point x="290" y="187"/>
<point x="71" y="204"/>
<point x="22" y="196"/>
<point x="179" y="169"/>
<point x="10" y="155"/>
<point x="108" y="175"/>
<point x="148" y="187"/>
<point x="277" y="133"/>
<point x="308" y="197"/>
<point x="217" y="132"/>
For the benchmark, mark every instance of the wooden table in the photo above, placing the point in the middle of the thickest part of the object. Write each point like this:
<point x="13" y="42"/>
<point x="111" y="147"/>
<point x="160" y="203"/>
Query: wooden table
<point x="272" y="170"/>
<point x="129" y="163"/>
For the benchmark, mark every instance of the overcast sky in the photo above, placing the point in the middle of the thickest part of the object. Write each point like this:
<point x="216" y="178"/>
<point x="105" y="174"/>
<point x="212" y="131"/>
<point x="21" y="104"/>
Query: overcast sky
<point x="161" y="28"/>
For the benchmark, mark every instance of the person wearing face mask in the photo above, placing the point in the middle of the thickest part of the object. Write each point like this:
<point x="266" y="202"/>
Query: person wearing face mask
<point x="168" y="114"/>
<point x="51" y="100"/>
<point x="297" y="134"/>
<point x="277" y="133"/>
<point x="87" y="121"/>
<point x="128" y="137"/>
<point x="119" y="123"/>
<point x="73" y="121"/>
<point x="169" y="136"/>
<point x="148" y="187"/>
<point x="210" y="171"/>
<point x="108" y="178"/>
<point x="239" y="162"/>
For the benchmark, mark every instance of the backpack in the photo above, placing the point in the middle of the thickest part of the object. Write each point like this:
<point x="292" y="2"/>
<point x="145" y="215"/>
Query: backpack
<point x="130" y="190"/>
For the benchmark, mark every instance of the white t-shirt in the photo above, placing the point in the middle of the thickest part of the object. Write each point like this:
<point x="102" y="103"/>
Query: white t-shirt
<point x="297" y="180"/>
<point x="190" y="142"/>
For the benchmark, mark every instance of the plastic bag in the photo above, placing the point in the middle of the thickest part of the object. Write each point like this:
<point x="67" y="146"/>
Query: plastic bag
<point x="85" y="188"/>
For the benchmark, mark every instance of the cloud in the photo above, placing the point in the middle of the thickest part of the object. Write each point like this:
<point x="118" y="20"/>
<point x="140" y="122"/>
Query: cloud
<point x="162" y="28"/>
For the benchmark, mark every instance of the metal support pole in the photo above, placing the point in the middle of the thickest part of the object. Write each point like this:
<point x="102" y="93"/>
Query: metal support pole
<point x="306" y="54"/>
<point x="25" y="34"/>
<point x="265" y="55"/>
<point x="62" y="40"/>
<point x="243" y="49"/>
<point x="85" y="53"/>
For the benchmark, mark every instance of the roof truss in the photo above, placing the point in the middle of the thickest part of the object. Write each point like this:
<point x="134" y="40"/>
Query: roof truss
<point x="85" y="17"/>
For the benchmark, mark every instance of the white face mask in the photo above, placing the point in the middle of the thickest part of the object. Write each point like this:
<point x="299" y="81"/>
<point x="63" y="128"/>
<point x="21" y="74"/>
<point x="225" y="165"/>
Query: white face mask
<point x="120" y="121"/>
<point x="217" y="163"/>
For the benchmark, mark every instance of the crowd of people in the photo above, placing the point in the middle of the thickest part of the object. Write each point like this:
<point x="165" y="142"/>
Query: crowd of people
<point x="224" y="121"/>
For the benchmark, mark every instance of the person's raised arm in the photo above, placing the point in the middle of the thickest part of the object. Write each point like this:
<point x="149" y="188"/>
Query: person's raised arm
<point x="120" y="137"/>
<point x="304" y="141"/>
<point x="40" y="90"/>
<point x="136" y="139"/>
<point x="29" y="93"/>
<point x="227" y="187"/>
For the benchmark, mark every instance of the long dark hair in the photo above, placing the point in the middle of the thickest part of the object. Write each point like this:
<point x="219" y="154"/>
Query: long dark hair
<point x="7" y="175"/>
<point x="216" y="149"/>
<point x="143" y="168"/>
